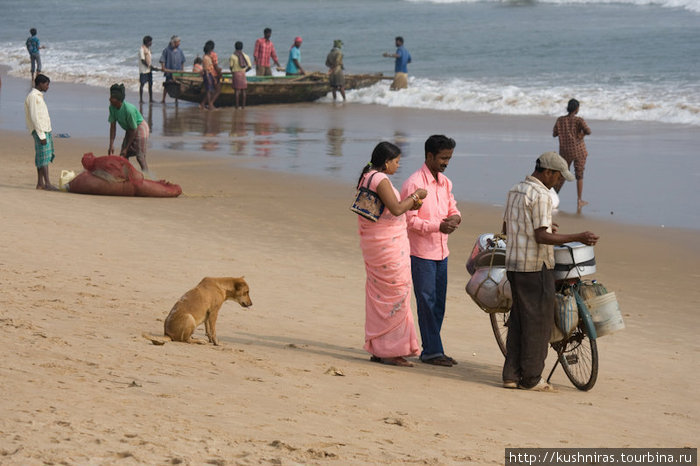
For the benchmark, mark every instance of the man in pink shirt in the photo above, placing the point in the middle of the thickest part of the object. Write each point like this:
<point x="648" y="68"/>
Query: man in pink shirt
<point x="263" y="51"/>
<point x="428" y="228"/>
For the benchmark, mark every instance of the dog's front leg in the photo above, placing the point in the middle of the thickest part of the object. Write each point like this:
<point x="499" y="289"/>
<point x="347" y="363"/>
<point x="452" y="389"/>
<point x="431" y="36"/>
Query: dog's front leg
<point x="210" y="327"/>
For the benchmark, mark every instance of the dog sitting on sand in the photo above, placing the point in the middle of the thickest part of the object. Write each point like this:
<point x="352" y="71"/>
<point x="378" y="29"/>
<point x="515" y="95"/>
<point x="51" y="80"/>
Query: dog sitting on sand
<point x="202" y="304"/>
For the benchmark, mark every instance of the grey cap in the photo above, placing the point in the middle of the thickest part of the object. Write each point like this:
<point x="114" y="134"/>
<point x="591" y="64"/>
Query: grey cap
<point x="554" y="161"/>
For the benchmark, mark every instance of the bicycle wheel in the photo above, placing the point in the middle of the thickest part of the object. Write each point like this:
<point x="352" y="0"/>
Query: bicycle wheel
<point x="499" y="325"/>
<point x="578" y="355"/>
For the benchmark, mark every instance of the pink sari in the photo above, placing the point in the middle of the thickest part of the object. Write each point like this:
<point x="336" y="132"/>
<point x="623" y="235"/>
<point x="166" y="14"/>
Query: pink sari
<point x="389" y="327"/>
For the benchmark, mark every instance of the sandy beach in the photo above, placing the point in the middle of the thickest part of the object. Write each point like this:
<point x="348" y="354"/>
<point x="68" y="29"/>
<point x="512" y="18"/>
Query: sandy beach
<point x="83" y="276"/>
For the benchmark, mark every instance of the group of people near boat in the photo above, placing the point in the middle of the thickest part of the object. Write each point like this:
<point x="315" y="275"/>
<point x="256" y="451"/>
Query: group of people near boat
<point x="406" y="244"/>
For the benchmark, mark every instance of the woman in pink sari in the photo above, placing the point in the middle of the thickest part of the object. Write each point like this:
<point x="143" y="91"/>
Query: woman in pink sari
<point x="390" y="335"/>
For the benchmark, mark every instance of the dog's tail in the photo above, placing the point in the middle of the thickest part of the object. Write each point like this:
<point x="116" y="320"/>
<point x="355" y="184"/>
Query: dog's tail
<point x="156" y="339"/>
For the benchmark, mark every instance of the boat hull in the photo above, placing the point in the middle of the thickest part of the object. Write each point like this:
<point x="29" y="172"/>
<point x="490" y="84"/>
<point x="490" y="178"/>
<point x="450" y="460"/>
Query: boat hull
<point x="266" y="89"/>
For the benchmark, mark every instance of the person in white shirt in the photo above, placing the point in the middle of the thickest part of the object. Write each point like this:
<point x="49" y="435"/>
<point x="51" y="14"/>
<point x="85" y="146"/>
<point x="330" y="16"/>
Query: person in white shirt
<point x="145" y="68"/>
<point x="39" y="124"/>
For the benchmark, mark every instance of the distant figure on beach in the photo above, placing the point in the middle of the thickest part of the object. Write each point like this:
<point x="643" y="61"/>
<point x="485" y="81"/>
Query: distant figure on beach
<point x="145" y="71"/>
<point x="263" y="52"/>
<point x="294" y="62"/>
<point x="403" y="58"/>
<point x="39" y="124"/>
<point x="428" y="230"/>
<point x="171" y="59"/>
<point x="197" y="65"/>
<point x="334" y="62"/>
<point x="530" y="233"/>
<point x="390" y="335"/>
<point x="136" y="129"/>
<point x="239" y="63"/>
<point x="571" y="130"/>
<point x="33" y="47"/>
<point x="211" y="74"/>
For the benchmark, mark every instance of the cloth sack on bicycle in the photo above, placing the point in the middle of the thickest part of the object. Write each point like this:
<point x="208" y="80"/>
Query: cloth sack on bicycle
<point x="367" y="202"/>
<point x="565" y="313"/>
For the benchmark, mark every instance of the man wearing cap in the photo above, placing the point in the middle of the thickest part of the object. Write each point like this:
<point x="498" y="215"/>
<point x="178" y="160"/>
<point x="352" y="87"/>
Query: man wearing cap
<point x="531" y="234"/>
<point x="294" y="63"/>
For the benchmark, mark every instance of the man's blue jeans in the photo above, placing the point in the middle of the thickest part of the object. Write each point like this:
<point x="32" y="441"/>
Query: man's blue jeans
<point x="430" y="287"/>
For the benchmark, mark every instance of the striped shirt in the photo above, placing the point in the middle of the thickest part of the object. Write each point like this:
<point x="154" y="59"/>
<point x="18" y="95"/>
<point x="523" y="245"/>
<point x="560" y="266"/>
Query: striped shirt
<point x="528" y="208"/>
<point x="264" y="49"/>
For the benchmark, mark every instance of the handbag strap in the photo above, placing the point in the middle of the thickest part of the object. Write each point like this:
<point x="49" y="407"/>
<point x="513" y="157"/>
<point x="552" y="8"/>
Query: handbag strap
<point x="369" y="181"/>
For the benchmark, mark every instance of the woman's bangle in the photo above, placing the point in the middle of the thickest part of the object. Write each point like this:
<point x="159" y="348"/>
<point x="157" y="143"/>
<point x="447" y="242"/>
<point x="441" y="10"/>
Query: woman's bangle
<point x="415" y="197"/>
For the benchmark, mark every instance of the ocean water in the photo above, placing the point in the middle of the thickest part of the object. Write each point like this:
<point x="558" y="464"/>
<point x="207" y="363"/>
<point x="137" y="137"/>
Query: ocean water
<point x="628" y="60"/>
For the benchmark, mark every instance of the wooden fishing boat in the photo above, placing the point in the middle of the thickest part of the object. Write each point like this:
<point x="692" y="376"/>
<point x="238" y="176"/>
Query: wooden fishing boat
<point x="267" y="89"/>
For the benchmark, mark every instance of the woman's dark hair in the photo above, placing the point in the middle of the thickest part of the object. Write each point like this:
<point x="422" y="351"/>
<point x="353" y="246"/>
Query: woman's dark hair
<point x="32" y="31"/>
<point x="147" y="39"/>
<point x="572" y="106"/>
<point x="208" y="46"/>
<point x="382" y="153"/>
<point x="239" y="45"/>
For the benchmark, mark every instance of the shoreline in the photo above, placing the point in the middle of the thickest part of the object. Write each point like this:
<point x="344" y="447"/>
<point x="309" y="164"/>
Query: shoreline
<point x="332" y="141"/>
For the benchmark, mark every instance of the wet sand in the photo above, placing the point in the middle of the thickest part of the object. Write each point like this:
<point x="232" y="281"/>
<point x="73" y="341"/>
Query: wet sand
<point x="83" y="276"/>
<point x="637" y="173"/>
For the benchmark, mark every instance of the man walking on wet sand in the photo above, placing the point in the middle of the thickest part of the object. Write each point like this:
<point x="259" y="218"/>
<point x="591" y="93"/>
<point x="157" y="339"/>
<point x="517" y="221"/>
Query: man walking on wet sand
<point x="39" y="124"/>
<point x="571" y="130"/>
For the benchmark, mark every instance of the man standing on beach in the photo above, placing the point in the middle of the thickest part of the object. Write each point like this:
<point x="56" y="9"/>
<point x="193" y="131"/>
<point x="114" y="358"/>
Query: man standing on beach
<point x="428" y="230"/>
<point x="33" y="47"/>
<point x="403" y="58"/>
<point x="264" y="50"/>
<point x="530" y="234"/>
<point x="294" y="62"/>
<point x="172" y="59"/>
<point x="39" y="124"/>
<point x="571" y="130"/>
<point x="334" y="62"/>
<point x="145" y="73"/>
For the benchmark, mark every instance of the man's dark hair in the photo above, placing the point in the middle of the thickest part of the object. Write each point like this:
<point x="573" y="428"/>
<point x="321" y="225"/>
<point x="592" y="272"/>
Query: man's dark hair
<point x="239" y="45"/>
<point x="572" y="106"/>
<point x="538" y="167"/>
<point x="147" y="39"/>
<point x="267" y="31"/>
<point x="399" y="39"/>
<point x="40" y="79"/>
<point x="437" y="143"/>
<point x="32" y="31"/>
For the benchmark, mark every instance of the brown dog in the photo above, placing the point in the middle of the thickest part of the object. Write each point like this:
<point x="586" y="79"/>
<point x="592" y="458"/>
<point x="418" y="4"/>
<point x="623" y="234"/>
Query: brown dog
<point x="202" y="304"/>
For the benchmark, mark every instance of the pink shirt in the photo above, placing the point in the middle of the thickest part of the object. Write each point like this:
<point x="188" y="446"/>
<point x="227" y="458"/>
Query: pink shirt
<point x="427" y="241"/>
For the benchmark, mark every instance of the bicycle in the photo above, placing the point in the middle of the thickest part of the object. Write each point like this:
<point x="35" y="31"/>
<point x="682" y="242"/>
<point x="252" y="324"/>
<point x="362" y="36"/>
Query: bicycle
<point x="577" y="352"/>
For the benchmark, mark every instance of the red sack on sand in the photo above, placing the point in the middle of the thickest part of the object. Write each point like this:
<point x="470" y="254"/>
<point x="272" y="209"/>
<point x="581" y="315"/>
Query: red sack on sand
<point x="112" y="175"/>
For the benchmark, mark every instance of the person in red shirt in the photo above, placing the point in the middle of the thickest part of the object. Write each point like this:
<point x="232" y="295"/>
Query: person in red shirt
<point x="264" y="50"/>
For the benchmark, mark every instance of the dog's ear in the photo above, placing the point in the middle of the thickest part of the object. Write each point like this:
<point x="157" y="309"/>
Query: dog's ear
<point x="240" y="283"/>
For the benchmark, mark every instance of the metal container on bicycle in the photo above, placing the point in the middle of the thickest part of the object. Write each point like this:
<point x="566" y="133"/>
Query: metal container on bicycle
<point x="573" y="260"/>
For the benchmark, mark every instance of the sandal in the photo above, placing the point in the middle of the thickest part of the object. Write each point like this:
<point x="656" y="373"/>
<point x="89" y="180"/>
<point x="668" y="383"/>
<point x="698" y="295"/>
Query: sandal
<point x="439" y="361"/>
<point x="397" y="361"/>
<point x="541" y="386"/>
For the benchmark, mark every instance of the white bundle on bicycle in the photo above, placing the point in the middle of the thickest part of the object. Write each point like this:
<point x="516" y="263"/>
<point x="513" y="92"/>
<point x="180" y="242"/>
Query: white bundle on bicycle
<point x="488" y="285"/>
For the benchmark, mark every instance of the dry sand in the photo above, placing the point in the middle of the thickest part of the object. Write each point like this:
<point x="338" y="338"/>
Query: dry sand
<point x="83" y="276"/>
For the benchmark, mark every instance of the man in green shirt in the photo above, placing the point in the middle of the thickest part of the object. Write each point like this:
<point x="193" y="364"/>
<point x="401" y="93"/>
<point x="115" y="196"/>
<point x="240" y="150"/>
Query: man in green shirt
<point x="130" y="119"/>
